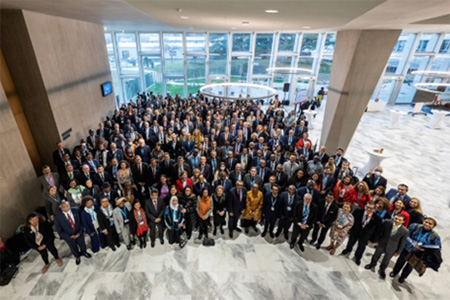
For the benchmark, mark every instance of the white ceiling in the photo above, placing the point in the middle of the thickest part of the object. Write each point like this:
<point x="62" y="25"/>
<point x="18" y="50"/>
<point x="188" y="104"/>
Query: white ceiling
<point x="228" y="15"/>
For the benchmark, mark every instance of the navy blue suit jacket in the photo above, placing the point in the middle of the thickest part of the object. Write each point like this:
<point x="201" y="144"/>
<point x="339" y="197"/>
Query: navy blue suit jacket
<point x="63" y="226"/>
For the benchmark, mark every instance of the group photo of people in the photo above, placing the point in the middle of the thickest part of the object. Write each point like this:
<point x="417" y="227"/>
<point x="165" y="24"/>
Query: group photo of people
<point x="167" y="169"/>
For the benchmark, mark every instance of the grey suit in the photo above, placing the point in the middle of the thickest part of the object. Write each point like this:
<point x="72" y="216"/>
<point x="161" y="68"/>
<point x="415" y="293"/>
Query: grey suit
<point x="389" y="245"/>
<point x="122" y="228"/>
<point x="44" y="184"/>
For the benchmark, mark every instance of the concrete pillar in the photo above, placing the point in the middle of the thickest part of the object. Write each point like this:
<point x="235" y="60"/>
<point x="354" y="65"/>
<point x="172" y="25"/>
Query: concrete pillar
<point x="358" y="62"/>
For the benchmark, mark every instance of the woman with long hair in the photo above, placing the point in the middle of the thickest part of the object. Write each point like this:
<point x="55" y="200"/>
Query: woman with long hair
<point x="138" y="225"/>
<point x="340" y="228"/>
<point x="189" y="201"/>
<point x="414" y="209"/>
<point x="205" y="207"/>
<point x="360" y="194"/>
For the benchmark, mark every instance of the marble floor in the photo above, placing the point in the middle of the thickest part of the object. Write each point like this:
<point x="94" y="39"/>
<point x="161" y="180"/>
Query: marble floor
<point x="250" y="267"/>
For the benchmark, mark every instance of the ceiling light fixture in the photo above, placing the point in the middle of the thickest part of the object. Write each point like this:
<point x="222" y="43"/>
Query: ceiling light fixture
<point x="245" y="23"/>
<point x="104" y="27"/>
<point x="426" y="86"/>
<point x="289" y="70"/>
<point x="272" y="92"/>
<point x="271" y="11"/>
<point x="432" y="73"/>
<point x="184" y="17"/>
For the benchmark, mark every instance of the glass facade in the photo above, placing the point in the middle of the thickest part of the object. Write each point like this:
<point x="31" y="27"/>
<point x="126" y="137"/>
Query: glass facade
<point x="181" y="63"/>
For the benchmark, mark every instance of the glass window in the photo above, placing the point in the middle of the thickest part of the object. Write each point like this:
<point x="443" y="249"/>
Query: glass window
<point x="399" y="57"/>
<point x="175" y="86"/>
<point x="132" y="87"/>
<point x="441" y="64"/>
<point x="239" y="71"/>
<point x="329" y="43"/>
<point x="255" y="92"/>
<point x="407" y="92"/>
<point x="445" y="47"/>
<point x="428" y="42"/>
<point x="109" y="43"/>
<point x="196" y="73"/>
<point x="286" y="42"/>
<point x="173" y="53"/>
<point x="284" y="61"/>
<point x="196" y="42"/>
<point x="263" y="50"/>
<point x="386" y="89"/>
<point x="310" y="44"/>
<point x="218" y="45"/>
<point x="152" y="74"/>
<point x="149" y="42"/>
<point x="241" y="42"/>
<point x="306" y="63"/>
<point x="323" y="79"/>
<point x="127" y="53"/>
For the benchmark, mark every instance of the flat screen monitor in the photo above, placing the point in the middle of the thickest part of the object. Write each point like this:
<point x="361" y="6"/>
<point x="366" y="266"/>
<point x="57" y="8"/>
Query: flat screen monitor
<point x="106" y="88"/>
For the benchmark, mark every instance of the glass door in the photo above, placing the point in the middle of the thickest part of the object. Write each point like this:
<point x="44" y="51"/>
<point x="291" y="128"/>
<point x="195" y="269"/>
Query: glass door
<point x="302" y="89"/>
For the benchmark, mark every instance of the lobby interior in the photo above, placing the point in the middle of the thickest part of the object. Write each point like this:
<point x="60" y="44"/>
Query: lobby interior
<point x="56" y="54"/>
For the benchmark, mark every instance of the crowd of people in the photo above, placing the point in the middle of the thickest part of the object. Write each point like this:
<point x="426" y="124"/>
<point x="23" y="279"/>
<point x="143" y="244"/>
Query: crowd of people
<point x="184" y="165"/>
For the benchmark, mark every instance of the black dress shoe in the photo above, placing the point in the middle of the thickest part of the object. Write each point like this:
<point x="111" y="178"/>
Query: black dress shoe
<point x="78" y="260"/>
<point x="118" y="245"/>
<point x="230" y="235"/>
<point x="277" y="234"/>
<point x="145" y="245"/>
<point x="222" y="231"/>
<point x="311" y="242"/>
<point x="401" y="279"/>
<point x="382" y="274"/>
<point x="318" y="246"/>
<point x="113" y="248"/>
<point x="263" y="234"/>
<point x="246" y="230"/>
<point x="215" y="231"/>
<point x="301" y="247"/>
<point x="153" y="244"/>
<point x="271" y="234"/>
<point x="357" y="261"/>
<point x="292" y="245"/>
<point x="345" y="252"/>
<point x="238" y="229"/>
<point x="162" y="241"/>
<point x="87" y="255"/>
<point x="392" y="274"/>
<point x="368" y="267"/>
<point x="286" y="237"/>
<point x="128" y="247"/>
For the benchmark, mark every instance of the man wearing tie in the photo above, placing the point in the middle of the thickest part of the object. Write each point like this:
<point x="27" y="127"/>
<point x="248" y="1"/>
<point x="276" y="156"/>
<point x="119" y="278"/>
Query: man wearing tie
<point x="67" y="176"/>
<point x="68" y="226"/>
<point x="328" y="211"/>
<point x="305" y="215"/>
<point x="288" y="201"/>
<point x="154" y="209"/>
<point x="236" y="205"/>
<point x="271" y="210"/>
<point x="399" y="193"/>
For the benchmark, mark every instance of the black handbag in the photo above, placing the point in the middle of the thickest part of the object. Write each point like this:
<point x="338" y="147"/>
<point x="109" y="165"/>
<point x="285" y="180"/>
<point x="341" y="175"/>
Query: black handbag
<point x="8" y="274"/>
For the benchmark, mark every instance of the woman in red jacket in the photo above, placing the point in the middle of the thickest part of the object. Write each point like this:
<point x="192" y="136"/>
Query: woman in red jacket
<point x="361" y="194"/>
<point x="343" y="191"/>
<point x="398" y="207"/>
<point x="301" y="142"/>
<point x="183" y="182"/>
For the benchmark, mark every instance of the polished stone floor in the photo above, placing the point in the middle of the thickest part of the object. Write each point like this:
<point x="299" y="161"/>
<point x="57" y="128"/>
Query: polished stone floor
<point x="250" y="267"/>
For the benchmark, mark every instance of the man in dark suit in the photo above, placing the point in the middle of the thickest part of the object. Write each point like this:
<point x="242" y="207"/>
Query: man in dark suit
<point x="205" y="169"/>
<point x="153" y="174"/>
<point x="309" y="189"/>
<point x="106" y="223"/>
<point x="224" y="182"/>
<point x="109" y="193"/>
<point x="289" y="140"/>
<point x="327" y="213"/>
<point x="68" y="226"/>
<point x="143" y="151"/>
<point x="230" y="161"/>
<point x="237" y="174"/>
<point x="115" y="153"/>
<point x="288" y="201"/>
<point x="281" y="177"/>
<point x="68" y="175"/>
<point x="390" y="241"/>
<point x="103" y="132"/>
<point x="101" y="177"/>
<point x="365" y="228"/>
<point x="174" y="148"/>
<point x="328" y="182"/>
<point x="305" y="215"/>
<point x="399" y="193"/>
<point x="323" y="156"/>
<point x="251" y="178"/>
<point x="263" y="171"/>
<point x="237" y="201"/>
<point x="154" y="210"/>
<point x="166" y="165"/>
<point x="85" y="175"/>
<point x="140" y="173"/>
<point x="339" y="158"/>
<point x="179" y="167"/>
<point x="200" y="185"/>
<point x="271" y="210"/>
<point x="214" y="162"/>
<point x="374" y="179"/>
<point x="58" y="155"/>
<point x="92" y="163"/>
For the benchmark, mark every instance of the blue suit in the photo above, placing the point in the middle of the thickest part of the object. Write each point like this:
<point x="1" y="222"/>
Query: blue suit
<point x="392" y="196"/>
<point x="64" y="228"/>
<point x="86" y="222"/>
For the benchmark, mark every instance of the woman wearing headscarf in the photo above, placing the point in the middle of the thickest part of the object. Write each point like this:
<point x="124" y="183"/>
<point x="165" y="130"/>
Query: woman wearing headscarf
<point x="204" y="209"/>
<point x="39" y="236"/>
<point x="174" y="220"/>
<point x="138" y="224"/>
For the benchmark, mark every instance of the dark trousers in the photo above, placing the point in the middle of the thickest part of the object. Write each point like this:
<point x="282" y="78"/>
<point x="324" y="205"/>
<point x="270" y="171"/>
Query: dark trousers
<point x="284" y="225"/>
<point x="376" y="256"/>
<point x="403" y="264"/>
<point x="189" y="223"/>
<point x="203" y="226"/>
<point x="112" y="238"/>
<point x="322" y="235"/>
<point x="44" y="253"/>
<point x="269" y="223"/>
<point x="298" y="231"/>
<point x="232" y="222"/>
<point x="362" y="243"/>
<point x="174" y="235"/>
<point x="95" y="242"/>
<point x="153" y="227"/>
<point x="77" y="246"/>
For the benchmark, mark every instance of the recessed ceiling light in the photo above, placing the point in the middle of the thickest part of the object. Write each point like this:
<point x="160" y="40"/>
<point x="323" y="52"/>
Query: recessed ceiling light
<point x="105" y="28"/>
<point x="184" y="17"/>
<point x="246" y="23"/>
<point x="306" y="27"/>
<point x="271" y="11"/>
